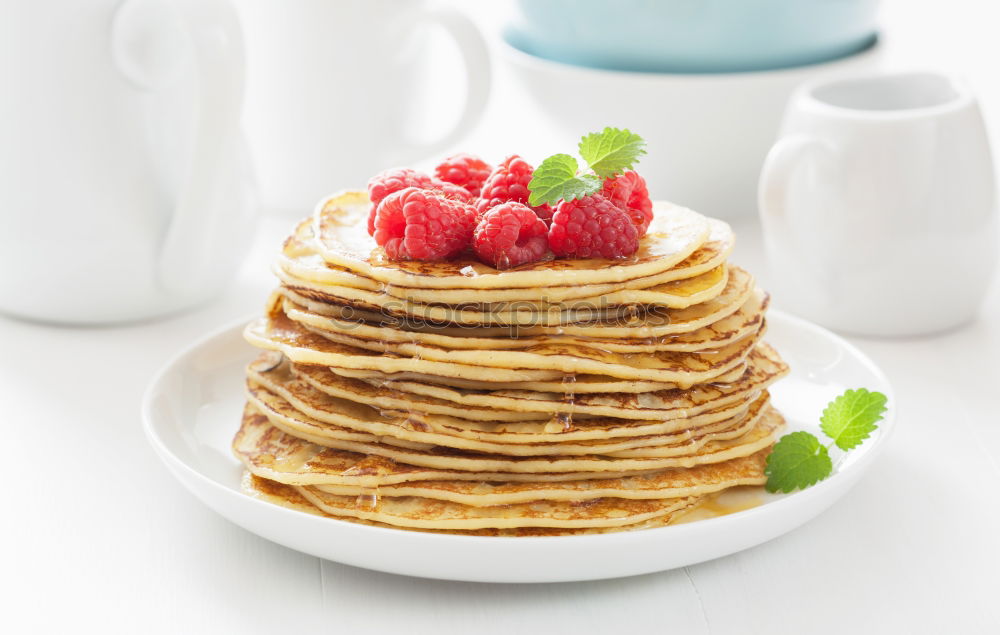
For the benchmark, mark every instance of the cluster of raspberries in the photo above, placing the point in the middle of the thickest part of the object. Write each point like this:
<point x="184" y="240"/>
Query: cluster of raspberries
<point x="467" y="203"/>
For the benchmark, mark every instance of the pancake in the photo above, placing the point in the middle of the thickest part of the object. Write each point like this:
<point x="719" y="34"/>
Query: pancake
<point x="259" y="445"/>
<point x="627" y="324"/>
<point x="300" y="261"/>
<point x="687" y="442"/>
<point x="298" y="408"/>
<point x="280" y="391"/>
<point x="696" y="481"/>
<point x="671" y="483"/>
<point x="308" y="346"/>
<point x="416" y="512"/>
<point x="682" y="368"/>
<point x="288" y="496"/>
<point x="678" y="294"/>
<point x="500" y="314"/>
<point x="284" y="416"/>
<point x="374" y="327"/>
<point x="765" y="367"/>
<point x="582" y="384"/>
<point x="277" y="333"/>
<point x="341" y="238"/>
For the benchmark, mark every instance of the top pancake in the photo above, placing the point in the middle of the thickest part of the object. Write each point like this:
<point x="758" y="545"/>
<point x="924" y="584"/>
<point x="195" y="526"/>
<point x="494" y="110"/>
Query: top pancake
<point x="340" y="228"/>
<point x="300" y="262"/>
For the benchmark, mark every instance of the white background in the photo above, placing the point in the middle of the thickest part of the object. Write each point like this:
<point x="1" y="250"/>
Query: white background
<point x="96" y="536"/>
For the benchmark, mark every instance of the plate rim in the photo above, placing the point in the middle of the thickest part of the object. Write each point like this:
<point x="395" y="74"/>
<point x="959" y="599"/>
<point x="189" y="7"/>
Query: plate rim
<point x="774" y="506"/>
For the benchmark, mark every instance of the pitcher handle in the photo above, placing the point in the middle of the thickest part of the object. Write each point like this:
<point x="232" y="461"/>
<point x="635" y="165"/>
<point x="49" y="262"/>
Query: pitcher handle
<point x="217" y="44"/>
<point x="779" y="168"/>
<point x="477" y="81"/>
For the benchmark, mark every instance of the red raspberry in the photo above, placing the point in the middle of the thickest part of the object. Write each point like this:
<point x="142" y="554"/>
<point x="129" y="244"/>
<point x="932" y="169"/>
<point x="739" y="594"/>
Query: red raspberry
<point x="452" y="191"/>
<point x="395" y="179"/>
<point x="592" y="227"/>
<point x="510" y="235"/>
<point x="628" y="191"/>
<point x="385" y="183"/>
<point x="509" y="182"/>
<point x="464" y="170"/>
<point x="415" y="224"/>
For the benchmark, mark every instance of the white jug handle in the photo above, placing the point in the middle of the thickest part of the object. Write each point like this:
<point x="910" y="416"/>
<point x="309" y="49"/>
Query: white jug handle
<point x="477" y="81"/>
<point x="217" y="44"/>
<point x="779" y="168"/>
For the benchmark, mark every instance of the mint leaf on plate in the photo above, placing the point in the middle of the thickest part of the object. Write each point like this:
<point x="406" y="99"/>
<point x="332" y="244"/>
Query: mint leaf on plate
<point x="851" y="417"/>
<point x="612" y="151"/>
<point x="556" y="179"/>
<point x="797" y="461"/>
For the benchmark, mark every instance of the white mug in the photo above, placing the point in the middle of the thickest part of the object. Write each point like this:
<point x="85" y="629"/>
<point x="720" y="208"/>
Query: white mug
<point x="126" y="192"/>
<point x="878" y="205"/>
<point x="333" y="87"/>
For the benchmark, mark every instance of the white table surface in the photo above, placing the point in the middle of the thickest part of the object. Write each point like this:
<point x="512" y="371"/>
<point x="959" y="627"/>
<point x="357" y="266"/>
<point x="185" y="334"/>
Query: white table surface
<point x="96" y="535"/>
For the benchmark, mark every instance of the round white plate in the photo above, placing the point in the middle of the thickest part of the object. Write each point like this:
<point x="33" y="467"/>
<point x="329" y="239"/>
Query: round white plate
<point x="192" y="410"/>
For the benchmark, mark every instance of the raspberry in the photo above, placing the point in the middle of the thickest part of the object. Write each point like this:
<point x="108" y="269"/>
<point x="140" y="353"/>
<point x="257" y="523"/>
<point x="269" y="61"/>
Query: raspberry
<point x="464" y="170"/>
<point x="509" y="182"/>
<point x="385" y="183"/>
<point x="395" y="179"/>
<point x="452" y="191"/>
<point x="510" y="235"/>
<point x="416" y="224"/>
<point x="628" y="191"/>
<point x="592" y="227"/>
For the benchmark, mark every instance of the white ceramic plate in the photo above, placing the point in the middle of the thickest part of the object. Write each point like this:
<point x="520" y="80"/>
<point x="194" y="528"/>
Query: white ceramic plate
<point x="192" y="409"/>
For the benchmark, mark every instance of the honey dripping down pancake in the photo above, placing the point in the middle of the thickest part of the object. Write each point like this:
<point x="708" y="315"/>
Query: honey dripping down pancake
<point x="565" y="396"/>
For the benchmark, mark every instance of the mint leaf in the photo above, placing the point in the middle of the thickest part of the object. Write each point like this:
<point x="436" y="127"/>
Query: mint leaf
<point x="851" y="417"/>
<point x="556" y="179"/>
<point x="797" y="461"/>
<point x="612" y="151"/>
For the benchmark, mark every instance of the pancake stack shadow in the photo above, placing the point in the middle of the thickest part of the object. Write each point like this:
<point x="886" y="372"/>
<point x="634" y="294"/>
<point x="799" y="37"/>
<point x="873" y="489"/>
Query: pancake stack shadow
<point x="563" y="397"/>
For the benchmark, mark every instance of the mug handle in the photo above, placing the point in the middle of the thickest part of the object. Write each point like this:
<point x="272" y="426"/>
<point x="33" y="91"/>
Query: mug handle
<point x="217" y="43"/>
<point x="478" y="76"/>
<point x="779" y="168"/>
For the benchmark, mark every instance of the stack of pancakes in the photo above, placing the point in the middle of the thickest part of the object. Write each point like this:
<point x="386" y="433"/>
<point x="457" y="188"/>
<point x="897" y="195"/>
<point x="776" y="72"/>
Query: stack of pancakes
<point x="566" y="396"/>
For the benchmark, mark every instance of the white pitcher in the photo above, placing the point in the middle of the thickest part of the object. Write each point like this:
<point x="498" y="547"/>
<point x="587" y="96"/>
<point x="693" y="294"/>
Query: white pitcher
<point x="879" y="205"/>
<point x="123" y="177"/>
<point x="335" y="91"/>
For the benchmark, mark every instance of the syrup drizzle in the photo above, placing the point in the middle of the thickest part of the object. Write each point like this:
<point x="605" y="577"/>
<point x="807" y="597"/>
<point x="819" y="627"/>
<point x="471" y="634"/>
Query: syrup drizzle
<point x="569" y="398"/>
<point x="367" y="500"/>
<point x="730" y="501"/>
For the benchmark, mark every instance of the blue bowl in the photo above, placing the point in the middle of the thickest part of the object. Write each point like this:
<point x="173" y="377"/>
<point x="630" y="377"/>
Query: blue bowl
<point x="693" y="36"/>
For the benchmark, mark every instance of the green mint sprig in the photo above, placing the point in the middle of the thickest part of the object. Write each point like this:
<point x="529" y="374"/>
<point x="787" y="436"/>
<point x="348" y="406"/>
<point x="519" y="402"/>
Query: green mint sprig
<point x="556" y="179"/>
<point x="607" y="153"/>
<point x="799" y="459"/>
<point x="612" y="151"/>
